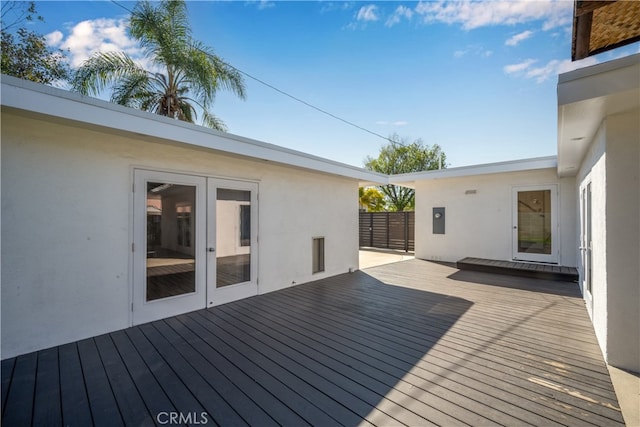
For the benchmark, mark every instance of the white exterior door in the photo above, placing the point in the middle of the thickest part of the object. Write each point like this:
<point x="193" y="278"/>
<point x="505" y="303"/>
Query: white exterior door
<point x="169" y="258"/>
<point x="232" y="240"/>
<point x="535" y="224"/>
<point x="195" y="243"/>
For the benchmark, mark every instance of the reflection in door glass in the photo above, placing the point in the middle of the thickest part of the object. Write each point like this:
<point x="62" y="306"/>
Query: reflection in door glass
<point x="233" y="237"/>
<point x="534" y="222"/>
<point x="170" y="240"/>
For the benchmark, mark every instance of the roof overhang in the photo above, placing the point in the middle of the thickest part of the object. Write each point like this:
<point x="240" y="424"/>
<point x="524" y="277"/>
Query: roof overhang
<point x="48" y="103"/>
<point x="599" y="26"/>
<point x="585" y="97"/>
<point x="409" y="179"/>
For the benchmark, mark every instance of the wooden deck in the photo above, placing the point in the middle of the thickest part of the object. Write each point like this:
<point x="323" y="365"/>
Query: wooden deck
<point x="518" y="268"/>
<point x="412" y="343"/>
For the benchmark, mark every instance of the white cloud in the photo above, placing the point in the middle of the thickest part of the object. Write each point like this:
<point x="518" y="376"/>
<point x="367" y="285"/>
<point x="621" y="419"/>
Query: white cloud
<point x="395" y="123"/>
<point x="519" y="67"/>
<point x="475" y="14"/>
<point x="516" y="39"/>
<point x="368" y="13"/>
<point x="474" y="49"/>
<point x="398" y="14"/>
<point x="328" y="6"/>
<point x="265" y="4"/>
<point x="54" y="38"/>
<point x="97" y="35"/>
<point x="555" y="67"/>
<point x="550" y="70"/>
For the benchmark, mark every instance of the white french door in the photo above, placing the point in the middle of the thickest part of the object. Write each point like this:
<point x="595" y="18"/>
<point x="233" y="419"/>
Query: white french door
<point x="169" y="249"/>
<point x="232" y="240"/>
<point x="195" y="243"/>
<point x="535" y="223"/>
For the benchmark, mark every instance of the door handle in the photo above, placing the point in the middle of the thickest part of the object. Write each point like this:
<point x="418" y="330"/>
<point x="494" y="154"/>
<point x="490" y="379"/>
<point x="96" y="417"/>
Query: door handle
<point x="211" y="249"/>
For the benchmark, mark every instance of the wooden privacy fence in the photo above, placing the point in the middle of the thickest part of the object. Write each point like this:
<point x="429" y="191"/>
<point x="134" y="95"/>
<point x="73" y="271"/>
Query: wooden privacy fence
<point x="388" y="230"/>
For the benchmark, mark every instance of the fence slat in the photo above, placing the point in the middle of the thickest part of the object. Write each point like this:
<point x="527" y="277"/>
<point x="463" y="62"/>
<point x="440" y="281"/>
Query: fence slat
<point x="387" y="230"/>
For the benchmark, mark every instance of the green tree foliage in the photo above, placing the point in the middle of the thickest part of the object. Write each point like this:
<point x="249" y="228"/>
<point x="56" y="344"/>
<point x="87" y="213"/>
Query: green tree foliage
<point x="190" y="75"/>
<point x="401" y="156"/>
<point x="372" y="199"/>
<point x="25" y="54"/>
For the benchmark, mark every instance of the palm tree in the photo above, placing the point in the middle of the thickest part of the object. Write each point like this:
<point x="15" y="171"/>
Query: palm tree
<point x="191" y="72"/>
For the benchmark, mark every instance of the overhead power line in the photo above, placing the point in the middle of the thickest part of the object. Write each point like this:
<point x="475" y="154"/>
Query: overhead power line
<point x="282" y="92"/>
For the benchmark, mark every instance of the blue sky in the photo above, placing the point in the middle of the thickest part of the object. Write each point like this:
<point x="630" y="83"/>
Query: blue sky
<point x="477" y="78"/>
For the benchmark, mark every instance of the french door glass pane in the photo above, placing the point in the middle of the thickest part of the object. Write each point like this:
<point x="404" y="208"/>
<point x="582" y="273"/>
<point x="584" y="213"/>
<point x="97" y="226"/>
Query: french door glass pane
<point x="534" y="222"/>
<point x="233" y="237"/>
<point x="171" y="238"/>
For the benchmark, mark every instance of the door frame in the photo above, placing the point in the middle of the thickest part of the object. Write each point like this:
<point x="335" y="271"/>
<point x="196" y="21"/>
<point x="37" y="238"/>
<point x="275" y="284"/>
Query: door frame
<point x="585" y="197"/>
<point x="242" y="290"/>
<point x="142" y="311"/>
<point x="146" y="311"/>
<point x="552" y="258"/>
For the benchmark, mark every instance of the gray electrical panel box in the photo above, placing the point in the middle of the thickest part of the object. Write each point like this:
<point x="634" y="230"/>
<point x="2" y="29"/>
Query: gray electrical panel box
<point x="438" y="220"/>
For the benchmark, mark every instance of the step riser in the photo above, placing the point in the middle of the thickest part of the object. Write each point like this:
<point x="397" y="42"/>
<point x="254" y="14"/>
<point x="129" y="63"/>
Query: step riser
<point x="536" y="274"/>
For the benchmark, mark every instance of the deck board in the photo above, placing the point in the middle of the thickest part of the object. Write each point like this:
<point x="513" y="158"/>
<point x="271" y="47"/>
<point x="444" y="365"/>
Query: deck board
<point x="164" y="373"/>
<point x="73" y="394"/>
<point x="151" y="393"/>
<point x="351" y="350"/>
<point x="47" y="410"/>
<point x="6" y="371"/>
<point x="294" y="412"/>
<point x="19" y="407"/>
<point x="411" y="343"/>
<point x="129" y="401"/>
<point x="102" y="402"/>
<point x="498" y="364"/>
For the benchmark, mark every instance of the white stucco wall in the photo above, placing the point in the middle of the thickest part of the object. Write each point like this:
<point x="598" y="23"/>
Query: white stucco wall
<point x="593" y="170"/>
<point x="67" y="217"/>
<point x="623" y="239"/>
<point x="480" y="224"/>
<point x="612" y="165"/>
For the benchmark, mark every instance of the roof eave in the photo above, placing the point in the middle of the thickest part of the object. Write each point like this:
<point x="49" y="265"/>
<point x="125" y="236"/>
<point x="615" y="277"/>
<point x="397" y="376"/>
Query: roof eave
<point x="585" y="97"/>
<point x="474" y="170"/>
<point x="61" y="105"/>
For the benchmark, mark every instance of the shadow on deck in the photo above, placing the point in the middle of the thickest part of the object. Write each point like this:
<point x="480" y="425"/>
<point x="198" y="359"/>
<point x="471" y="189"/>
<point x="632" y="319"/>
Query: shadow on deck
<point x="398" y="344"/>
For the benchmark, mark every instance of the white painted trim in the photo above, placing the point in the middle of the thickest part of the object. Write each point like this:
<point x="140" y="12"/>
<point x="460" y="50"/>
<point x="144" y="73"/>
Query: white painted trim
<point x="592" y="70"/>
<point x="483" y="169"/>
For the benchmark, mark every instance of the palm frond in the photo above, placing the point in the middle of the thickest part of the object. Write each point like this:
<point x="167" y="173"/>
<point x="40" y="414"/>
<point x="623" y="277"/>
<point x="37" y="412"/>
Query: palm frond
<point x="162" y="28"/>
<point x="187" y="113"/>
<point x="213" y="122"/>
<point x="208" y="66"/>
<point x="131" y="90"/>
<point x="102" y="70"/>
<point x="192" y="73"/>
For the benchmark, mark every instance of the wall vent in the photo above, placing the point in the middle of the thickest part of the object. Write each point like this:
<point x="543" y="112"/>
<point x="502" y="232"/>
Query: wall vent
<point x="318" y="255"/>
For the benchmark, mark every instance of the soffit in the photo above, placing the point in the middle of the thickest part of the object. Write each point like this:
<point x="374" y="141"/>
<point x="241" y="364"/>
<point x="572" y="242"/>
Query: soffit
<point x="585" y="97"/>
